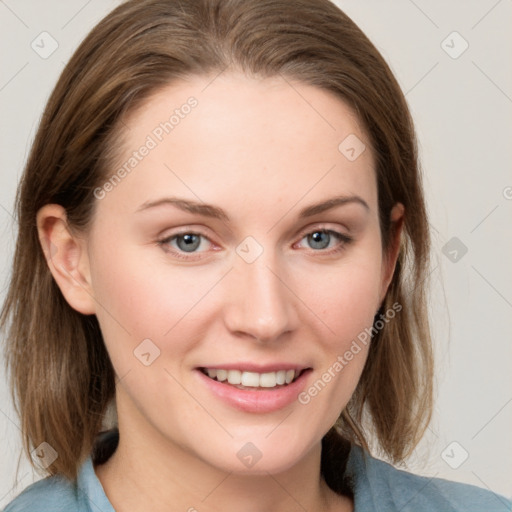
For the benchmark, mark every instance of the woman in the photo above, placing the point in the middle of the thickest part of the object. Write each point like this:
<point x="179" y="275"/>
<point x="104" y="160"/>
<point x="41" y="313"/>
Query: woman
<point x="222" y="231"/>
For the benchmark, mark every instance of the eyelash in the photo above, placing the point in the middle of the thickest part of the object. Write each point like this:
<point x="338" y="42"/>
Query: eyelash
<point x="344" y="241"/>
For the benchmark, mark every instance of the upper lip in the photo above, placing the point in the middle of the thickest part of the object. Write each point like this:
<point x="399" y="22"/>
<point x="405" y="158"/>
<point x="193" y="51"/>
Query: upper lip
<point x="257" y="368"/>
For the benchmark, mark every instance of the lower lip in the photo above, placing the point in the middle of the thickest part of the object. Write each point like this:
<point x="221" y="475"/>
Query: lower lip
<point x="259" y="400"/>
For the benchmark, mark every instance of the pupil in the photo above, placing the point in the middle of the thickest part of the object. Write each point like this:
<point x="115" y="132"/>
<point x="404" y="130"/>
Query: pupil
<point x="317" y="239"/>
<point x="191" y="242"/>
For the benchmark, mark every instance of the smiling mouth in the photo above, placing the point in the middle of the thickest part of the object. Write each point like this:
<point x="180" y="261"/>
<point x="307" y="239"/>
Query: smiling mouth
<point x="253" y="380"/>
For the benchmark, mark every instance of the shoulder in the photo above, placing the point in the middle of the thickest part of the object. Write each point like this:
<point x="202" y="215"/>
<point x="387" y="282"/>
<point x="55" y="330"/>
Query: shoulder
<point x="52" y="494"/>
<point x="58" y="494"/>
<point x="379" y="486"/>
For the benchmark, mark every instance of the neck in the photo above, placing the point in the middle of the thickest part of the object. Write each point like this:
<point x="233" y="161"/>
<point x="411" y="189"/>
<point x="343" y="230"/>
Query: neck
<point x="142" y="474"/>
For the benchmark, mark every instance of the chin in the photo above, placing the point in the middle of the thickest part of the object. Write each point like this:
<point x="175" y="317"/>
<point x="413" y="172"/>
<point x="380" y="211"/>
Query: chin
<point x="259" y="456"/>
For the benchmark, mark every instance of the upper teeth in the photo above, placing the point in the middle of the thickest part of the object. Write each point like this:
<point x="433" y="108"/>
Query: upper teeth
<point x="253" y="379"/>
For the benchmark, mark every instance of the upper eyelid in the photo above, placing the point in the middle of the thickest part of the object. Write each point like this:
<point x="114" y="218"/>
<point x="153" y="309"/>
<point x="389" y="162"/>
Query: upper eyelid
<point x="182" y="233"/>
<point x="321" y="226"/>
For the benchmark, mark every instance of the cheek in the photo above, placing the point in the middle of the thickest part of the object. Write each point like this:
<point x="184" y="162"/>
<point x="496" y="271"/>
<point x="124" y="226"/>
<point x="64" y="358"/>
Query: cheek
<point x="137" y="304"/>
<point x="345" y="297"/>
<point x="144" y="295"/>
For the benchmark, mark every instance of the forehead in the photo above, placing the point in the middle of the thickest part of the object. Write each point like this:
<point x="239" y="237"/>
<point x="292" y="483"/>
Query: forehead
<point x="234" y="139"/>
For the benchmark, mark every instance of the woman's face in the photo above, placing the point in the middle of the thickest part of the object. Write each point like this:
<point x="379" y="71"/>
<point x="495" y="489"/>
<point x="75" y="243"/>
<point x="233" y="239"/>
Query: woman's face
<point x="216" y="251"/>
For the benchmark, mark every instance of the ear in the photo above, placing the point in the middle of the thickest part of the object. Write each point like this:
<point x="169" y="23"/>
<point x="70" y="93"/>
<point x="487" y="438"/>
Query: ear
<point x="67" y="258"/>
<point x="391" y="255"/>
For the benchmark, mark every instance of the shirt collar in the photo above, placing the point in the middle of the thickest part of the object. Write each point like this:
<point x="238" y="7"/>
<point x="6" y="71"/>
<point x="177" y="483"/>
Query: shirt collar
<point x="90" y="489"/>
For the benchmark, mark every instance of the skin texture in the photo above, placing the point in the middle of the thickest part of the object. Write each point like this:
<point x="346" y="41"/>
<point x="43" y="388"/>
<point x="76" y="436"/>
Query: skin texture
<point x="261" y="150"/>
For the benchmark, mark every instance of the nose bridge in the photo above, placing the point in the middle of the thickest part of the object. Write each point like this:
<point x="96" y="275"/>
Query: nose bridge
<point x="261" y="305"/>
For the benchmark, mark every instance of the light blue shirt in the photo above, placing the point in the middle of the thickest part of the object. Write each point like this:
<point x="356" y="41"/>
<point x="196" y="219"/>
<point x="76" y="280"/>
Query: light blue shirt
<point x="377" y="485"/>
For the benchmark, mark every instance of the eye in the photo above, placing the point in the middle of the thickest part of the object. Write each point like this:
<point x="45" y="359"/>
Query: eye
<point x="320" y="239"/>
<point x="184" y="243"/>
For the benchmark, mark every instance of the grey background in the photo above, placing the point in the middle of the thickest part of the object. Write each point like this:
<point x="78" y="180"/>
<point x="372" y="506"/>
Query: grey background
<point x="462" y="107"/>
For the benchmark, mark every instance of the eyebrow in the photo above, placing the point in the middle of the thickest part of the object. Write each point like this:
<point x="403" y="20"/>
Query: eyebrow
<point x="208" y="210"/>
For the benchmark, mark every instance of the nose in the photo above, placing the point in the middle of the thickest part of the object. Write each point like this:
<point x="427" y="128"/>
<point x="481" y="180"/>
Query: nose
<point x="260" y="303"/>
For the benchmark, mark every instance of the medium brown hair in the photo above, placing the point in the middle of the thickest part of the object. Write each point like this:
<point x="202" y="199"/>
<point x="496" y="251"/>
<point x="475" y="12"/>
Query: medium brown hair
<point x="61" y="377"/>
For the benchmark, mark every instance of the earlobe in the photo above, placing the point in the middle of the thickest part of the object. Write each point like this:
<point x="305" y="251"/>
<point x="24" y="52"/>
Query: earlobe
<point x="391" y="256"/>
<point x="67" y="258"/>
